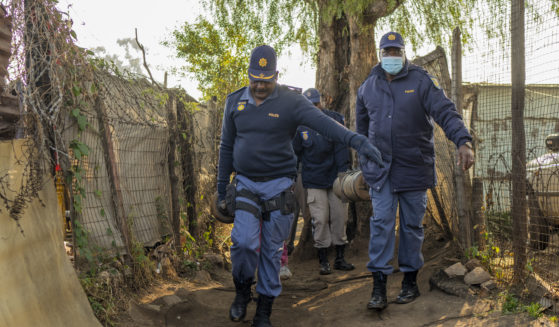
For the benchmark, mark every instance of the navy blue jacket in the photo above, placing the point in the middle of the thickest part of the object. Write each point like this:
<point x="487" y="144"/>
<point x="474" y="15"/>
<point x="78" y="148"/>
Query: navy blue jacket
<point x="321" y="158"/>
<point x="256" y="140"/>
<point x="397" y="117"/>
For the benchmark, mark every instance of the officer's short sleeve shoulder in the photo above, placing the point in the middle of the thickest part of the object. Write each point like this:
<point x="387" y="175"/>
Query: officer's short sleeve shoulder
<point x="236" y="93"/>
<point x="233" y="96"/>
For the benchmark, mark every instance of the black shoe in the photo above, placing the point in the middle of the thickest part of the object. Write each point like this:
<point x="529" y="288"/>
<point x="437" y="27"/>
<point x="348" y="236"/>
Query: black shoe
<point x="263" y="311"/>
<point x="243" y="296"/>
<point x="378" y="298"/>
<point x="340" y="263"/>
<point x="409" y="291"/>
<point x="323" y="260"/>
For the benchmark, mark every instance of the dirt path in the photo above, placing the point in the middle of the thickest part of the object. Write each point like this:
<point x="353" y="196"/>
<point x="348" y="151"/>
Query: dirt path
<point x="309" y="299"/>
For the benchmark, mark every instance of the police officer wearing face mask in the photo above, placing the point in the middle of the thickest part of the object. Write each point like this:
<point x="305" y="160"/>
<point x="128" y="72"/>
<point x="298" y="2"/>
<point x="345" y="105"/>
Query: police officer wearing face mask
<point x="259" y="123"/>
<point x="395" y="109"/>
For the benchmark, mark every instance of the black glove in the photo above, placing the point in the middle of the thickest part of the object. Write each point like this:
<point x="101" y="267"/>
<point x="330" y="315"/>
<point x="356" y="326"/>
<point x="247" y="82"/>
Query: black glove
<point x="221" y="190"/>
<point x="222" y="207"/>
<point x="366" y="149"/>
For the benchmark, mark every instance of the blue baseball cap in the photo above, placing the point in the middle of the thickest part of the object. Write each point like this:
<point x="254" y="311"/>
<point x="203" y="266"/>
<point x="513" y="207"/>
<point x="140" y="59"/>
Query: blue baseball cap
<point x="313" y="95"/>
<point x="262" y="65"/>
<point x="391" y="40"/>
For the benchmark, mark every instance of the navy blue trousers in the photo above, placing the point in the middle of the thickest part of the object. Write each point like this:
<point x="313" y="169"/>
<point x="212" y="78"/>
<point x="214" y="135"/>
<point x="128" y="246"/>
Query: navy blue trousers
<point x="259" y="244"/>
<point x="382" y="229"/>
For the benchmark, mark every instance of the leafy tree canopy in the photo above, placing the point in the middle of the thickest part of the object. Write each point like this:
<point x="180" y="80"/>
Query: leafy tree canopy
<point x="216" y="49"/>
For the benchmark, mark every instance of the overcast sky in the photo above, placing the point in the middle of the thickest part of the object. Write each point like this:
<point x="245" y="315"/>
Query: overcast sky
<point x="102" y="22"/>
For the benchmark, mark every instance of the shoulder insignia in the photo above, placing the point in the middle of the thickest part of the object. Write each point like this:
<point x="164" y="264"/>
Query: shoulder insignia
<point x="305" y="135"/>
<point x="435" y="82"/>
<point x="241" y="105"/>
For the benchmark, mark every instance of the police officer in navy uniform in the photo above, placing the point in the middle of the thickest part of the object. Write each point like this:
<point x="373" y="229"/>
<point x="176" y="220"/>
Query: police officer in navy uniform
<point x="322" y="160"/>
<point x="395" y="110"/>
<point x="259" y="123"/>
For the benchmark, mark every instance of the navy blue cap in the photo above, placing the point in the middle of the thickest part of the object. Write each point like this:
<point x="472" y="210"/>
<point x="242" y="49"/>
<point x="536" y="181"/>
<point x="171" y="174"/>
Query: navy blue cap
<point x="313" y="95"/>
<point x="262" y="65"/>
<point x="391" y="40"/>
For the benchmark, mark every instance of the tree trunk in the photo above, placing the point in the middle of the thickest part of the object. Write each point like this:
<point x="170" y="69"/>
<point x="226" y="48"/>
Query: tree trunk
<point x="346" y="55"/>
<point x="332" y="64"/>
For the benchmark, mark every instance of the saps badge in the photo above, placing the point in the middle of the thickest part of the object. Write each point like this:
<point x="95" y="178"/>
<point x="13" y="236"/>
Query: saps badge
<point x="241" y="105"/>
<point x="435" y="82"/>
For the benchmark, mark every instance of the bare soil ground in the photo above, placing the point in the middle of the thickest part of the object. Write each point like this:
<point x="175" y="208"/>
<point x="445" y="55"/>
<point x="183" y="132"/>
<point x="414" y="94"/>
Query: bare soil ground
<point x="339" y="299"/>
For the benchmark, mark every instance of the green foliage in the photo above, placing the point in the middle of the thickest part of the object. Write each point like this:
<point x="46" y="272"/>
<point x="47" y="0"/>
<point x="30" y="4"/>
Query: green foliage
<point x="216" y="59"/>
<point x="217" y="49"/>
<point x="189" y="244"/>
<point x="511" y="304"/>
<point x="82" y="243"/>
<point x="208" y="236"/>
<point x="485" y="255"/>
<point x="80" y="149"/>
<point x="534" y="310"/>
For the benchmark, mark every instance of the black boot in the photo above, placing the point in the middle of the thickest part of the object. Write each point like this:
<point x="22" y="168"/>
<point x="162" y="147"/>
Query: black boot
<point x="409" y="291"/>
<point x="263" y="311"/>
<point x="323" y="260"/>
<point x="243" y="296"/>
<point x="340" y="263"/>
<point x="378" y="298"/>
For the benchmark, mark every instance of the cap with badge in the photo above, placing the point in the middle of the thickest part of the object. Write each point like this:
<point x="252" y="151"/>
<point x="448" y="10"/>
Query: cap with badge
<point x="312" y="94"/>
<point x="262" y="65"/>
<point x="391" y="40"/>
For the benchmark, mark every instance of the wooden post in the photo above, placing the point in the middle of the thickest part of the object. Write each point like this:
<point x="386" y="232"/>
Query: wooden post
<point x="442" y="215"/>
<point x="478" y="216"/>
<point x="114" y="179"/>
<point x="187" y="157"/>
<point x="171" y="160"/>
<point x="518" y="78"/>
<point x="464" y="216"/>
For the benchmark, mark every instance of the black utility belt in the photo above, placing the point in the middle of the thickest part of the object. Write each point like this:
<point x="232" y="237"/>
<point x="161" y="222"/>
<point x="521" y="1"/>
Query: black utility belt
<point x="284" y="202"/>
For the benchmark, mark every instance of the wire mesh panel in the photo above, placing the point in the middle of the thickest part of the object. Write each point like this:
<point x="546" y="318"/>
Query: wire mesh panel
<point x="137" y="120"/>
<point x="541" y="118"/>
<point x="98" y="216"/>
<point x="488" y="94"/>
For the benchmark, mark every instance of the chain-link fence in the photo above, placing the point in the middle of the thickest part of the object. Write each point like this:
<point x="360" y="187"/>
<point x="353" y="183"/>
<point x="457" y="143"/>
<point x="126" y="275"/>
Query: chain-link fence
<point x="131" y="159"/>
<point x="524" y="243"/>
<point x="151" y="157"/>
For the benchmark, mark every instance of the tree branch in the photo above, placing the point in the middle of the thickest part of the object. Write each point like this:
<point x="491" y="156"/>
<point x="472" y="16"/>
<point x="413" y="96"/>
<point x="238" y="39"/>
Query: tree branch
<point x="144" y="56"/>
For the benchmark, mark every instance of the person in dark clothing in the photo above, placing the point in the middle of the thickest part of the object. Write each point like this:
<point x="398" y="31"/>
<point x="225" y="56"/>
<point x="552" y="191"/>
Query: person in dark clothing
<point x="395" y="109"/>
<point x="322" y="160"/>
<point x="259" y="123"/>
